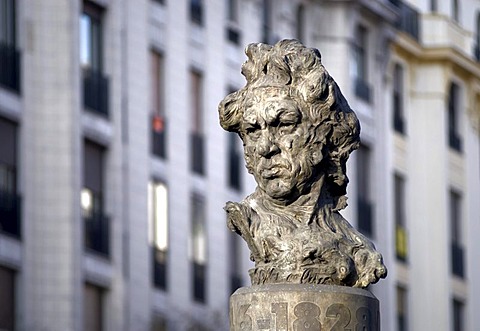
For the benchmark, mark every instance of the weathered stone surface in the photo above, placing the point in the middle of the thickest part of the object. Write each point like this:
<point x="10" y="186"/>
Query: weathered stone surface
<point x="281" y="307"/>
<point x="298" y="132"/>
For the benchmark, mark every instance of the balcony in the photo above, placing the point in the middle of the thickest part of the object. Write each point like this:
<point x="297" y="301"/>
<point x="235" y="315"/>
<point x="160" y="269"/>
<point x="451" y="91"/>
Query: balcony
<point x="10" y="214"/>
<point x="454" y="141"/>
<point x="365" y="217"/>
<point x="97" y="234"/>
<point x="458" y="268"/>
<point x="95" y="92"/>
<point x="362" y="89"/>
<point x="199" y="282"/>
<point x="159" y="259"/>
<point x="159" y="134"/>
<point x="197" y="154"/>
<point x="234" y="162"/>
<point x="409" y="21"/>
<point x="440" y="31"/>
<point x="9" y="67"/>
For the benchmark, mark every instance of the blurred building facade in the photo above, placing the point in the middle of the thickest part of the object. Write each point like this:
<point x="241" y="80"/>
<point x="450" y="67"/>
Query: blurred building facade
<point x="114" y="170"/>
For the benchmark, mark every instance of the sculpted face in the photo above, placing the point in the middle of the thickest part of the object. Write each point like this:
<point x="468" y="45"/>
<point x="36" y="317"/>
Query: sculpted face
<point x="276" y="148"/>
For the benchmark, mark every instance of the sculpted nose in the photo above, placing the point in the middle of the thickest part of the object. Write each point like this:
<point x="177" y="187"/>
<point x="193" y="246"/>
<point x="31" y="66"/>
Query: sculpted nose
<point x="266" y="147"/>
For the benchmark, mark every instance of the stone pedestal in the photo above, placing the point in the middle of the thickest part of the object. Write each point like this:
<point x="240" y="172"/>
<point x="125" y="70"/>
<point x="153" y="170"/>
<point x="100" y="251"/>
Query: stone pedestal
<point x="298" y="307"/>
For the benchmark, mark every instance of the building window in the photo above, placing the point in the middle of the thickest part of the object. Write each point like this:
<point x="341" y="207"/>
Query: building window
<point x="198" y="248"/>
<point x="401" y="238"/>
<point x="398" y="95"/>
<point x="364" y="199"/>
<point x="157" y="105"/>
<point x="458" y="312"/>
<point x="95" y="84"/>
<point x="454" y="138"/>
<point x="159" y="323"/>
<point x="158" y="231"/>
<point x="7" y="299"/>
<point x="235" y="161"/>
<point x="433" y="6"/>
<point x="360" y="63"/>
<point x="267" y="31"/>
<point x="402" y="309"/>
<point x="456" y="11"/>
<point x="197" y="143"/>
<point x="10" y="216"/>
<point x="457" y="254"/>
<point x="93" y="307"/>
<point x="232" y="30"/>
<point x="196" y="11"/>
<point x="92" y="200"/>
<point x="9" y="55"/>
<point x="235" y="260"/>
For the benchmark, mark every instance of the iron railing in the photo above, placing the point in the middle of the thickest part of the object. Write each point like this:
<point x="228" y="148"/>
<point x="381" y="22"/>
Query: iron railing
<point x="10" y="214"/>
<point x="454" y="141"/>
<point x="234" y="162"/>
<point x="159" y="259"/>
<point x="9" y="67"/>
<point x="95" y="92"/>
<point x="97" y="233"/>
<point x="458" y="268"/>
<point x="365" y="217"/>
<point x="409" y="20"/>
<point x="199" y="281"/>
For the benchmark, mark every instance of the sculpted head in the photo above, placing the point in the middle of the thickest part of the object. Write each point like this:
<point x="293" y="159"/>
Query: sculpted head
<point x="294" y="122"/>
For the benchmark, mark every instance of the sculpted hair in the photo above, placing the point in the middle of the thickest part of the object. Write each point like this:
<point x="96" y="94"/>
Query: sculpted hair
<point x="290" y="66"/>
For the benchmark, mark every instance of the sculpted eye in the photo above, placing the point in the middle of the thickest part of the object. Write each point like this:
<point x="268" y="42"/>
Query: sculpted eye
<point x="286" y="127"/>
<point x="252" y="131"/>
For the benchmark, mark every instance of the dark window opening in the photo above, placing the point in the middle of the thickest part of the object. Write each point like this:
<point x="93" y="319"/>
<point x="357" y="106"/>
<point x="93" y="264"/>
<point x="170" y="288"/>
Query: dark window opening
<point x="398" y="95"/>
<point x="457" y="251"/>
<point x="97" y="223"/>
<point x="10" y="201"/>
<point x="454" y="138"/>
<point x="196" y="11"/>
<point x="9" y="54"/>
<point x="365" y="207"/>
<point x="198" y="248"/>
<point x="401" y="238"/>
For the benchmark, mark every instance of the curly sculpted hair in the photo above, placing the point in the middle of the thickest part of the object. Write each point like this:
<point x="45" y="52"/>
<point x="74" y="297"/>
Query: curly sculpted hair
<point x="296" y="70"/>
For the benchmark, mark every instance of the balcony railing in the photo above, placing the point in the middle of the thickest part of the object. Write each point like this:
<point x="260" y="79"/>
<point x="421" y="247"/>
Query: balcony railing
<point x="197" y="153"/>
<point x="10" y="214"/>
<point x="365" y="217"/>
<point x="454" y="141"/>
<point x="457" y="260"/>
<point x="97" y="233"/>
<point x="95" y="92"/>
<point x="362" y="90"/>
<point x="199" y="281"/>
<point x="409" y="21"/>
<point x="159" y="259"/>
<point x="159" y="134"/>
<point x="9" y="67"/>
<point x="196" y="12"/>
<point x="234" y="162"/>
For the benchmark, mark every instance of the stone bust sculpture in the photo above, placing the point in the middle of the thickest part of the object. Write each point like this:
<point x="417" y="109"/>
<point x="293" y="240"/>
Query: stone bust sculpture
<point x="298" y="132"/>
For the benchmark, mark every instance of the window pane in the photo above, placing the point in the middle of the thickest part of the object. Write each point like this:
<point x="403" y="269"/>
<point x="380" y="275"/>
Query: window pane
<point x="158" y="211"/>
<point x="198" y="228"/>
<point x="85" y="42"/>
<point x="402" y="308"/>
<point x="196" y="101"/>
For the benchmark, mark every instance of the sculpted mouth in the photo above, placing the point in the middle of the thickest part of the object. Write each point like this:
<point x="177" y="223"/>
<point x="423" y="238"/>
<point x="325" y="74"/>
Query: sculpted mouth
<point x="272" y="172"/>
